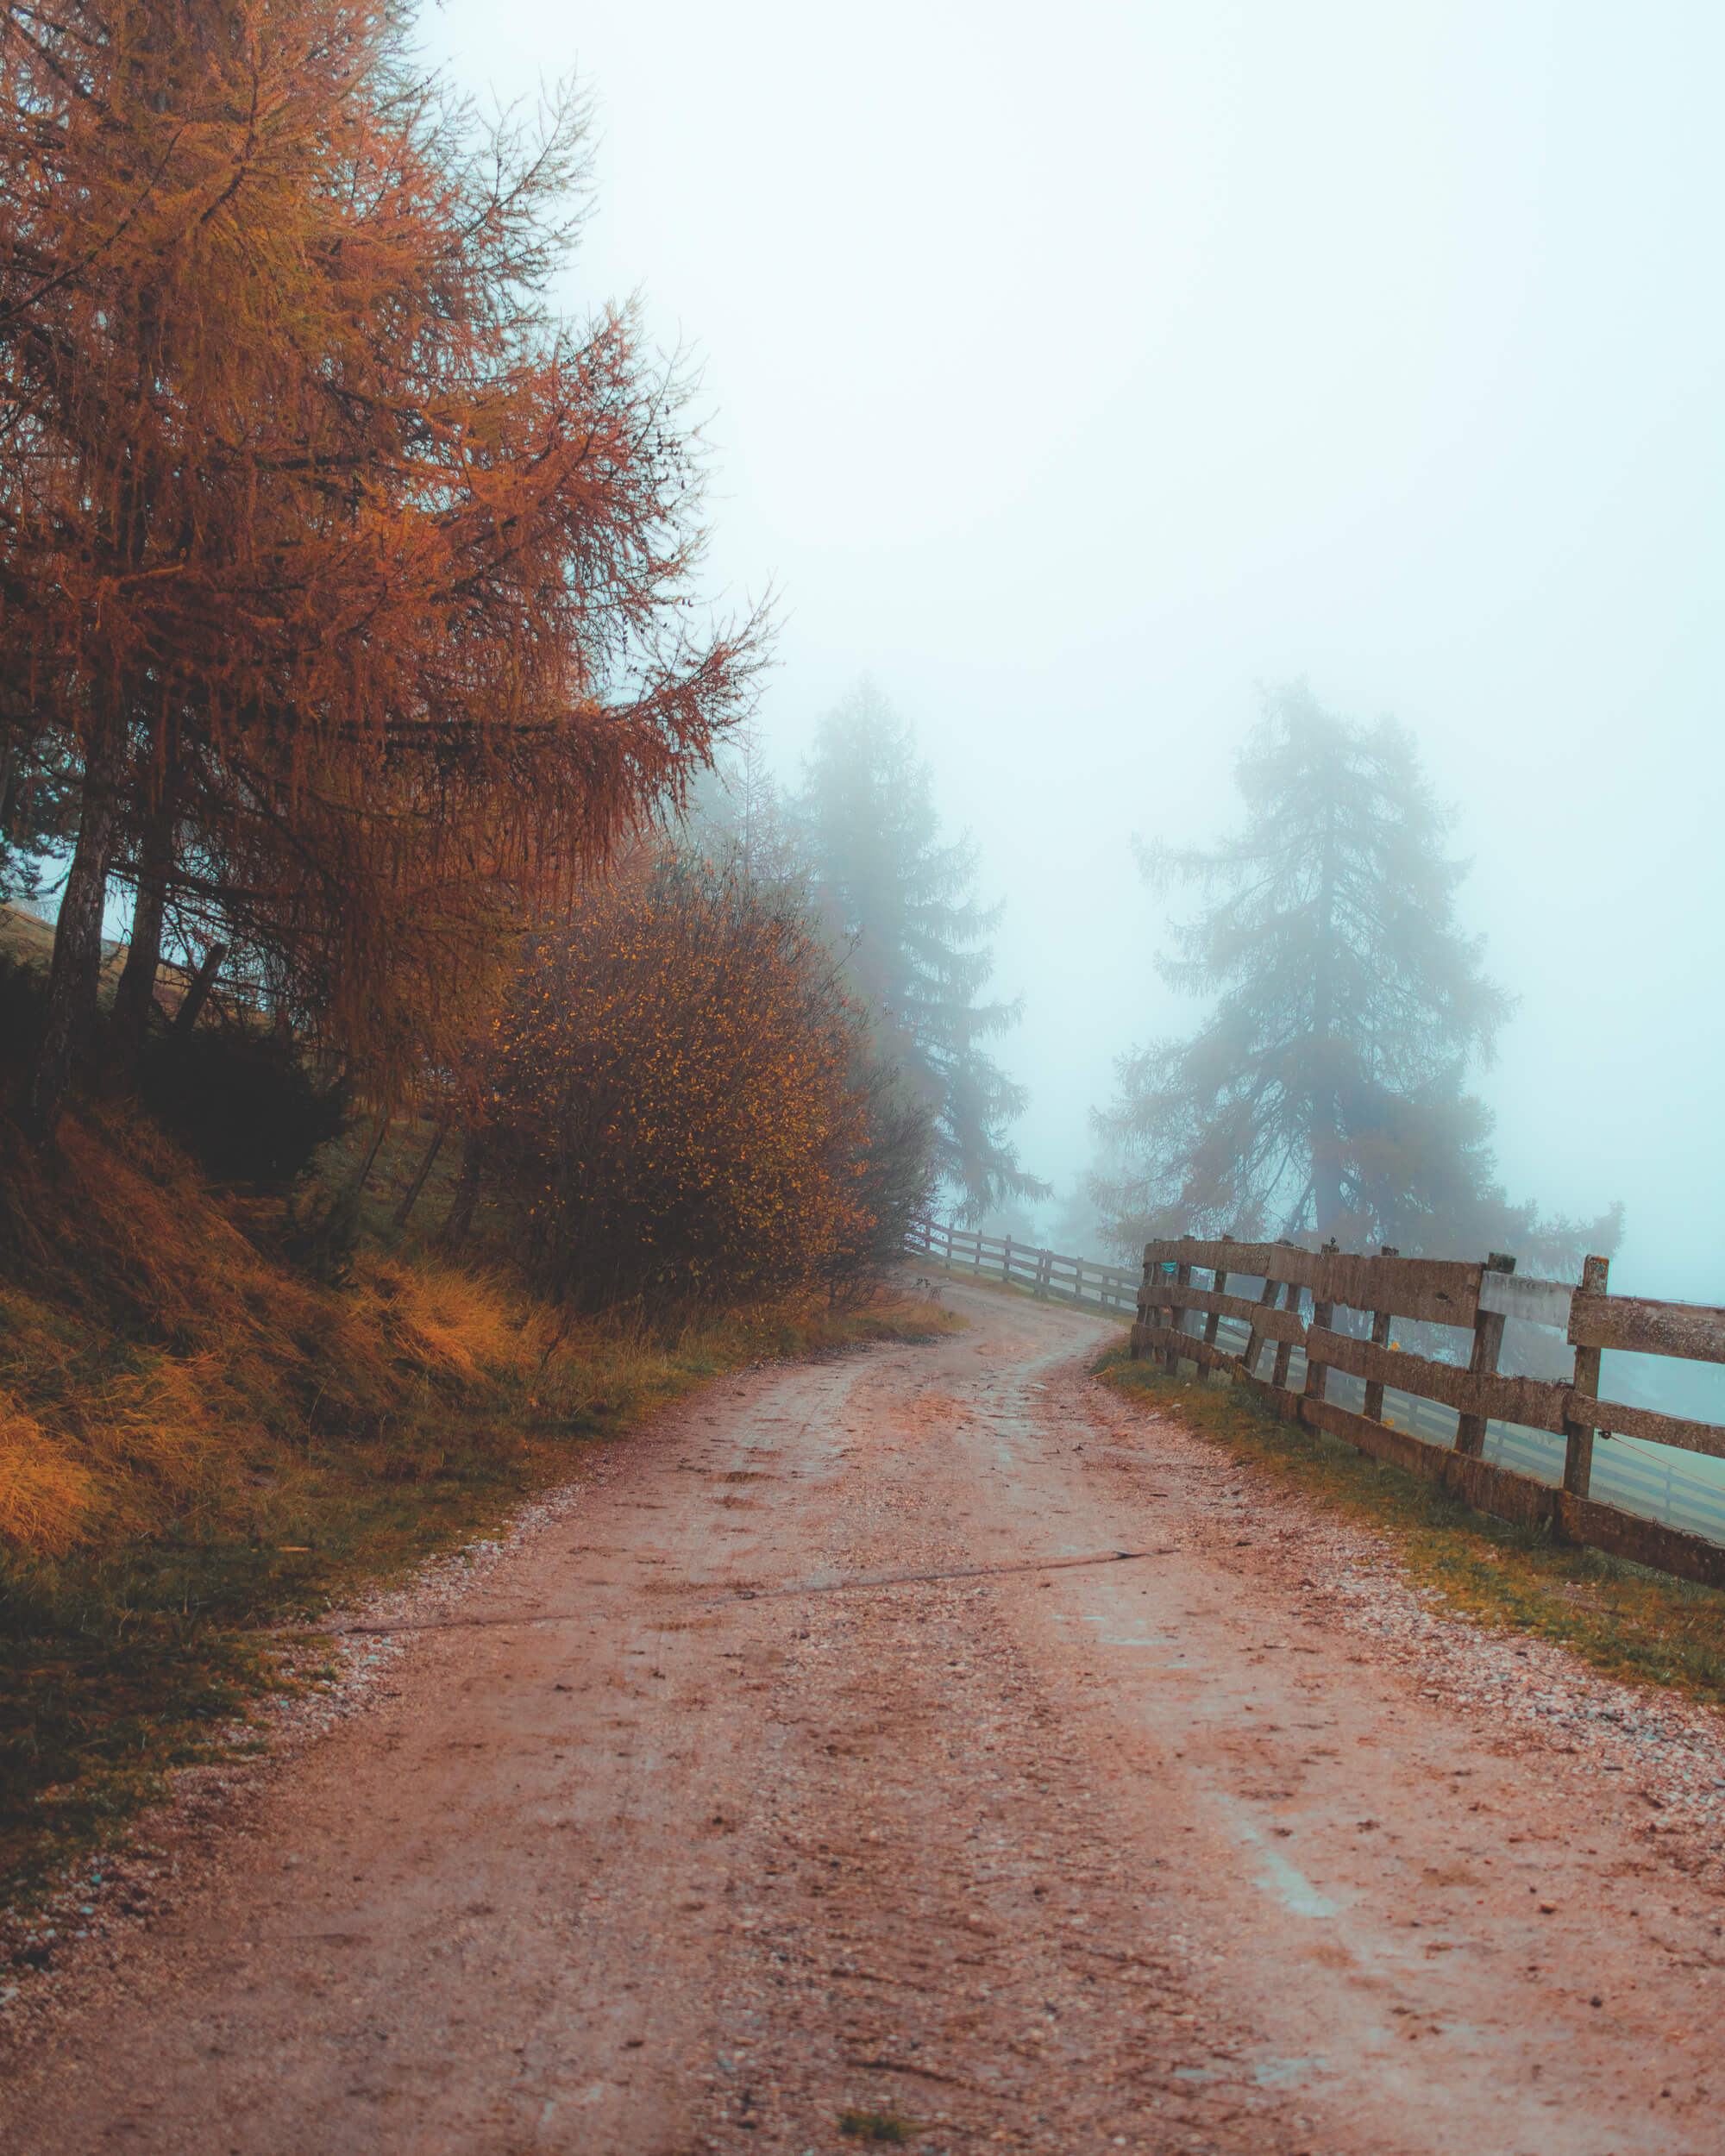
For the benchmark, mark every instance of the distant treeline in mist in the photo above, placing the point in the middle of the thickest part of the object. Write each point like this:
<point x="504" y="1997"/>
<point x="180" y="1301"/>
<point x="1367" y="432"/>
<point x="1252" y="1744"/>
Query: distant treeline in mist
<point x="860" y="843"/>
<point x="1324" y="1095"/>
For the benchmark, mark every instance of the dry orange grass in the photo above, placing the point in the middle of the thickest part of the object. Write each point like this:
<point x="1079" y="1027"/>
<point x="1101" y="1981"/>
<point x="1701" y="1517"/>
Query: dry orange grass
<point x="199" y="1443"/>
<point x="44" y="1495"/>
<point x="162" y="1364"/>
<point x="155" y="1350"/>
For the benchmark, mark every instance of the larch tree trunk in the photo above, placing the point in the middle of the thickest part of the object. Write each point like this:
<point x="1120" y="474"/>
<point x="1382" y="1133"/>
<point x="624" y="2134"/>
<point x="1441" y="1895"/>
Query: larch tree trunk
<point x="135" y="995"/>
<point x="75" y="974"/>
<point x="460" y="1217"/>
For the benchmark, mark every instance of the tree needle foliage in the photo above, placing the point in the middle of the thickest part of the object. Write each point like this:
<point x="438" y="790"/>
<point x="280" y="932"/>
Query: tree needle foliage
<point x="352" y="580"/>
<point x="1324" y="1095"/>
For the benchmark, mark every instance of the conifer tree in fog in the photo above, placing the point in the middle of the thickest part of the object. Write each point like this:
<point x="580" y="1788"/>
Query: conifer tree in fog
<point x="898" y="900"/>
<point x="1324" y="1095"/>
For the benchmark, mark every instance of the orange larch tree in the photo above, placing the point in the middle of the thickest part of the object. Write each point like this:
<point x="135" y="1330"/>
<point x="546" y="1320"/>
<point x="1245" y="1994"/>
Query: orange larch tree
<point x="351" y="569"/>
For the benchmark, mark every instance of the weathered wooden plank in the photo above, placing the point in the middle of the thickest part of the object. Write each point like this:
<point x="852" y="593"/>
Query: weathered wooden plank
<point x="1215" y="1317"/>
<point x="1632" y="1326"/>
<point x="1435" y="1290"/>
<point x="1621" y="1420"/>
<point x="1439" y="1291"/>
<point x="1538" y="1402"/>
<point x="1273" y="1325"/>
<point x="1498" y="1490"/>
<point x="1620" y="1534"/>
<point x="1162" y="1340"/>
<point x="1382" y="1324"/>
<point x="1283" y="1263"/>
<point x="1534" y="1302"/>
<point x="1183" y="1278"/>
<point x="1317" y="1371"/>
<point x="1277" y="1398"/>
<point x="1284" y="1344"/>
<point x="1375" y="1437"/>
<point x="1254" y="1340"/>
<point x="1508" y="1496"/>
<point x="1293" y="1267"/>
<point x="1223" y="1256"/>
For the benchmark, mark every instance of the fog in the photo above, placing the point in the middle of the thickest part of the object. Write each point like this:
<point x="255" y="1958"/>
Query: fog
<point x="1071" y="372"/>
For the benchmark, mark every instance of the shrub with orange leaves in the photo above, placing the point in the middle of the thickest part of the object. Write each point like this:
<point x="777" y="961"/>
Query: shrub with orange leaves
<point x="680" y="1105"/>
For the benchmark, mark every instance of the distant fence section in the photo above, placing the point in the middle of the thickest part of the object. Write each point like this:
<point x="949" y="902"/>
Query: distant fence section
<point x="1336" y="1315"/>
<point x="1083" y="1282"/>
<point x="1312" y="1334"/>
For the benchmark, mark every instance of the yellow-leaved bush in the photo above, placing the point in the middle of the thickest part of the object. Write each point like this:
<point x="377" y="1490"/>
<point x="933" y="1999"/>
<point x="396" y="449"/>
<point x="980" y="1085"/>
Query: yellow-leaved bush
<point x="681" y="1104"/>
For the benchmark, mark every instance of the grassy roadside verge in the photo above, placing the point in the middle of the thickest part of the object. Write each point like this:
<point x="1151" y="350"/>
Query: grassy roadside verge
<point x="203" y="1446"/>
<point x="1628" y="1623"/>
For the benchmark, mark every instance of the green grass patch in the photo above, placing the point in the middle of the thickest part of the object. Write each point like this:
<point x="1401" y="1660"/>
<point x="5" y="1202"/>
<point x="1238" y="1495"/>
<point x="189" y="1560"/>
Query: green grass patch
<point x="1627" y="1622"/>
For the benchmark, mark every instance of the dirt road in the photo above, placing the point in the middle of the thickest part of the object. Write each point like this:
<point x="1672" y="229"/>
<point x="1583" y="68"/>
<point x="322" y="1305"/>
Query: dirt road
<point x="679" y="1838"/>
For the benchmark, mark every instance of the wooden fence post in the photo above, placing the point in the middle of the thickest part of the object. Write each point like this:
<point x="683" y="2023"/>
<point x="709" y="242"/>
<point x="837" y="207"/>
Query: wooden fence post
<point x="948" y="1245"/>
<point x="1487" y="1342"/>
<point x="1284" y="1349"/>
<point x="1218" y="1282"/>
<point x="1077" y="1280"/>
<point x="1579" y="1436"/>
<point x="1177" y="1318"/>
<point x="1380" y="1322"/>
<point x="1006" y="1260"/>
<point x="1255" y="1339"/>
<point x="1323" y="1313"/>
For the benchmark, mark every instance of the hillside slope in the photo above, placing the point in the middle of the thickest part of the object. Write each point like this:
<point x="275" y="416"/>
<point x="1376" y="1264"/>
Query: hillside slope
<point x="201" y="1441"/>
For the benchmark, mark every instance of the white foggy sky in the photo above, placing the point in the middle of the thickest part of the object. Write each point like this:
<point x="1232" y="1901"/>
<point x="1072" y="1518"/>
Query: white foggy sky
<point x="1073" y="370"/>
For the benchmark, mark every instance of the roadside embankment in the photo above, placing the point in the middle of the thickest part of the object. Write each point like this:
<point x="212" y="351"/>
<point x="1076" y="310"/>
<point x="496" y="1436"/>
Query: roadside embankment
<point x="204" y="1442"/>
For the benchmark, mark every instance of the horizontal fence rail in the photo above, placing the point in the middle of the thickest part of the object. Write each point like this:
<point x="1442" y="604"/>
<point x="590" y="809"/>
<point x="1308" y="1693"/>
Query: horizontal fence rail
<point x="1085" y="1283"/>
<point x="1545" y="1453"/>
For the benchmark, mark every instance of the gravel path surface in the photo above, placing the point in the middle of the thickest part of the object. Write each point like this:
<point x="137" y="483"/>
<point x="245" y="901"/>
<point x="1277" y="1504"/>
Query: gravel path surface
<point x="686" y="1821"/>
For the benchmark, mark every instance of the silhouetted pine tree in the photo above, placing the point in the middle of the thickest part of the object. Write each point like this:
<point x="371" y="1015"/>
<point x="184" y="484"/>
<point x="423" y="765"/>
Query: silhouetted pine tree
<point x="1324" y="1095"/>
<point x="897" y="900"/>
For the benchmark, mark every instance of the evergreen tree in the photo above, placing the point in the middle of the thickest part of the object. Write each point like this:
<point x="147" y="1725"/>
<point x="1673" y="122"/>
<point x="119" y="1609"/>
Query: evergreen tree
<point x="897" y="898"/>
<point x="737" y="812"/>
<point x="1324" y="1096"/>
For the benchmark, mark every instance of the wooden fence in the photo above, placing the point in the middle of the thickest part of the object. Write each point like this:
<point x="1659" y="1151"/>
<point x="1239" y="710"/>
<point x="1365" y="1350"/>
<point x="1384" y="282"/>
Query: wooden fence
<point x="1261" y="1288"/>
<point x="1082" y="1281"/>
